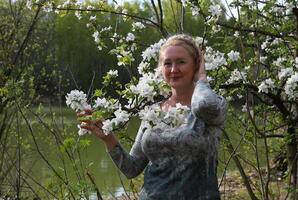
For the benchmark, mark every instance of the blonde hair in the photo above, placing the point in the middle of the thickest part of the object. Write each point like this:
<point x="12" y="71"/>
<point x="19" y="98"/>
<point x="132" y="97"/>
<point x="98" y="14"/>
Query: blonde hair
<point x="185" y="41"/>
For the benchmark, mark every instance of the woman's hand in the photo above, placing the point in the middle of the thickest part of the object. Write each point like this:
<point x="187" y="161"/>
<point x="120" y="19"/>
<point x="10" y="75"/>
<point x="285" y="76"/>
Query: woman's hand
<point x="95" y="126"/>
<point x="201" y="73"/>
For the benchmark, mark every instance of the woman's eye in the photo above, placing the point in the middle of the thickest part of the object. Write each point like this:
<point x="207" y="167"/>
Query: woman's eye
<point x="167" y="64"/>
<point x="182" y="62"/>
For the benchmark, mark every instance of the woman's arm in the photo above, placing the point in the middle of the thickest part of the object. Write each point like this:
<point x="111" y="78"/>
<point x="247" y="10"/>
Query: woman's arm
<point x="205" y="103"/>
<point x="133" y="163"/>
<point x="130" y="164"/>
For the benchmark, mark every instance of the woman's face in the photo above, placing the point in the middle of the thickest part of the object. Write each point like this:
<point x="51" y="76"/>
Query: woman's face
<point x="178" y="67"/>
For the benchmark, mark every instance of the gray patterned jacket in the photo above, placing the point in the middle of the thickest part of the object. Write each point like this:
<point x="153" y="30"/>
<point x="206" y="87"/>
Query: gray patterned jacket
<point x="180" y="163"/>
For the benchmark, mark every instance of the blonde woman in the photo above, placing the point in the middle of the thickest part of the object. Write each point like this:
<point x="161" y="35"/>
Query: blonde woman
<point x="178" y="163"/>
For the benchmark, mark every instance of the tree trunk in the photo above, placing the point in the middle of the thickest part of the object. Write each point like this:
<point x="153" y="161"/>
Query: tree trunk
<point x="239" y="166"/>
<point x="292" y="162"/>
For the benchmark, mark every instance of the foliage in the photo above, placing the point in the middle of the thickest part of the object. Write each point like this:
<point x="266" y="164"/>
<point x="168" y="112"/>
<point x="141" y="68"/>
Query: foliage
<point x="250" y="51"/>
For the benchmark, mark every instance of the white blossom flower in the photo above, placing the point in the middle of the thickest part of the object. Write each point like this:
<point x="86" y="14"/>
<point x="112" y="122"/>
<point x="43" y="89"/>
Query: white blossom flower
<point x="276" y="9"/>
<point x="144" y="88"/>
<point x="199" y="41"/>
<point x="176" y="115"/>
<point x="234" y="55"/>
<point x="266" y="85"/>
<point x="263" y="59"/>
<point x="92" y="18"/>
<point x="195" y="11"/>
<point x="29" y="4"/>
<point x="77" y="100"/>
<point x="106" y="29"/>
<point x="96" y="36"/>
<point x="143" y="67"/>
<point x="215" y="10"/>
<point x="150" y="113"/>
<point x="279" y="62"/>
<point x="289" y="7"/>
<point x="66" y="3"/>
<point x="89" y="7"/>
<point x="237" y="75"/>
<point x="125" y="11"/>
<point x="153" y="117"/>
<point x="48" y="7"/>
<point x="285" y="73"/>
<point x="276" y="41"/>
<point x="137" y="26"/>
<point x="291" y="86"/>
<point x="101" y="103"/>
<point x="265" y="44"/>
<point x="244" y="108"/>
<point x="83" y="131"/>
<point x="122" y="116"/>
<point x="130" y="37"/>
<point x="113" y="105"/>
<point x="113" y="73"/>
<point x="107" y="126"/>
<point x="152" y="51"/>
<point x="236" y="34"/>
<point x="78" y="14"/>
<point x="296" y="62"/>
<point x="214" y="59"/>
<point x="110" y="125"/>
<point x="209" y="79"/>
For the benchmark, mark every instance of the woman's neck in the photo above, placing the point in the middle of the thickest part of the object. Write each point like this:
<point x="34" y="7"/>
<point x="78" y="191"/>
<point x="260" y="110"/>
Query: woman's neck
<point x="181" y="96"/>
<point x="178" y="96"/>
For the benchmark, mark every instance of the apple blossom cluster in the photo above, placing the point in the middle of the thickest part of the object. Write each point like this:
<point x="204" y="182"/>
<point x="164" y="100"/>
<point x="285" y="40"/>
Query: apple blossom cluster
<point x="112" y="73"/>
<point x="200" y="41"/>
<point x="266" y="85"/>
<point x="291" y="87"/>
<point x="234" y="55"/>
<point x="137" y="26"/>
<point x="195" y="11"/>
<point x="145" y="87"/>
<point x="77" y="100"/>
<point x="286" y="72"/>
<point x="214" y="59"/>
<point x="110" y="125"/>
<point x="153" y="117"/>
<point x="215" y="10"/>
<point x="130" y="37"/>
<point x="152" y="51"/>
<point x="237" y="75"/>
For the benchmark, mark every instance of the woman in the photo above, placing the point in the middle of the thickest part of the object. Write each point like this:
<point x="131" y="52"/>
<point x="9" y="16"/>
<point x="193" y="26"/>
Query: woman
<point x="179" y="163"/>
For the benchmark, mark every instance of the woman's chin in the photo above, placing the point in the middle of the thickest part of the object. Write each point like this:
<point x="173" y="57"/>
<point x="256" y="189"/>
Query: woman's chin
<point x="177" y="85"/>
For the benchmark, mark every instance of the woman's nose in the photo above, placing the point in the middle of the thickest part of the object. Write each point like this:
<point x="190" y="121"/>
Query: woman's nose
<point x="174" y="68"/>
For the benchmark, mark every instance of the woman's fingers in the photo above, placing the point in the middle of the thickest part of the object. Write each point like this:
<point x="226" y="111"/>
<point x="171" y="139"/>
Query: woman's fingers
<point x="94" y="126"/>
<point x="201" y="73"/>
<point x="85" y="113"/>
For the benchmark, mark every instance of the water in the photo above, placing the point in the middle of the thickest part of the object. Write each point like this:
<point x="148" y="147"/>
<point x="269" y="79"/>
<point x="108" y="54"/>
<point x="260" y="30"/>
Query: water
<point x="92" y="158"/>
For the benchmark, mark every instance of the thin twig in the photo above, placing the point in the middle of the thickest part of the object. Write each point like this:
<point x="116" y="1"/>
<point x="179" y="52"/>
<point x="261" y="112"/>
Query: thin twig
<point x="95" y="186"/>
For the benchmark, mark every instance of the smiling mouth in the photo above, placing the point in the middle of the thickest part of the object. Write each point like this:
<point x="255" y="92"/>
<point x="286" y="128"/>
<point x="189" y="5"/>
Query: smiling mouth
<point x="175" y="78"/>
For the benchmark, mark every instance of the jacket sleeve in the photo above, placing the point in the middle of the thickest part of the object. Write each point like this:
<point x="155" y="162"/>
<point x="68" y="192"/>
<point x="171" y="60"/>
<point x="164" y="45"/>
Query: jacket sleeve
<point x="207" y="105"/>
<point x="133" y="163"/>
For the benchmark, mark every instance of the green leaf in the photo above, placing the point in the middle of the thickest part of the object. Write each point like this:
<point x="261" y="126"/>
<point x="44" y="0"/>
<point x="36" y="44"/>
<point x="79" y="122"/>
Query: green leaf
<point x="98" y="93"/>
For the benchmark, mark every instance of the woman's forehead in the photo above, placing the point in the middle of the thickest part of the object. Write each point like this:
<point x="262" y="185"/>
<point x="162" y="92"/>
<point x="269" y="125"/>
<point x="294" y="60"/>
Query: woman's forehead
<point x="175" y="51"/>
